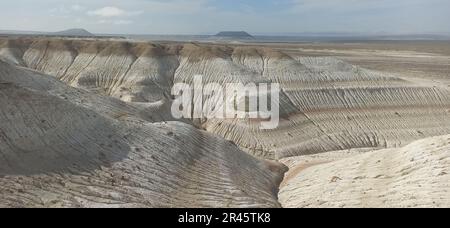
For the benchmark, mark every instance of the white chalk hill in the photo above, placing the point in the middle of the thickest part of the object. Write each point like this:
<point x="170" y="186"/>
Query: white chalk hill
<point x="326" y="104"/>
<point x="64" y="147"/>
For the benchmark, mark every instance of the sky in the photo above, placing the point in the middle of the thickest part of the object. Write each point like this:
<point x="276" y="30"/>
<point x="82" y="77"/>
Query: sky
<point x="211" y="16"/>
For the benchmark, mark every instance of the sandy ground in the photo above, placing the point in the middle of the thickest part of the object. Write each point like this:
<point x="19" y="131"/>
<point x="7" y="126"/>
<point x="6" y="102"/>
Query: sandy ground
<point x="416" y="175"/>
<point x="300" y="163"/>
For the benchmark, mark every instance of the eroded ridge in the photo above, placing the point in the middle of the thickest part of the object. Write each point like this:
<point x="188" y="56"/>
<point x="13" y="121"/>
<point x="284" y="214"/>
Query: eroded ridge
<point x="65" y="147"/>
<point x="326" y="104"/>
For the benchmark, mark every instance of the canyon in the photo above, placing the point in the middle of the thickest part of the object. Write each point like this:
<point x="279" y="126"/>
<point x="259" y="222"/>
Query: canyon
<point x="87" y="123"/>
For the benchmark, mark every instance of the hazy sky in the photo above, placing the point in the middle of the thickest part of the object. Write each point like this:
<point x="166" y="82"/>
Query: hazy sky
<point x="211" y="16"/>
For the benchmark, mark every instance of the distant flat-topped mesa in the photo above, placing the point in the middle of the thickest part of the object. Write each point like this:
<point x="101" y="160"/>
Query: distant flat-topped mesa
<point x="77" y="32"/>
<point x="235" y="34"/>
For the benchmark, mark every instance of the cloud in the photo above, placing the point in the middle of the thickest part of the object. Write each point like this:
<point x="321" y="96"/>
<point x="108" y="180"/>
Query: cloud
<point x="67" y="9"/>
<point x="77" y="7"/>
<point x="179" y="6"/>
<point x="210" y="16"/>
<point x="108" y="11"/>
<point x="355" y="5"/>
<point x="335" y="5"/>
<point x="115" y="22"/>
<point x="111" y="11"/>
<point x="123" y="22"/>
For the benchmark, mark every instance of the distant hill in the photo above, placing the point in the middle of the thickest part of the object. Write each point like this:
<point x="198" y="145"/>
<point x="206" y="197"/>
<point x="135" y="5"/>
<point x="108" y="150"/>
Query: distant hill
<point x="17" y="32"/>
<point x="234" y="34"/>
<point x="73" y="32"/>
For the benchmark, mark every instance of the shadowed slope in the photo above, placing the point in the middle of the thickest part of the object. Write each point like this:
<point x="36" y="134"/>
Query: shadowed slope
<point x="59" y="152"/>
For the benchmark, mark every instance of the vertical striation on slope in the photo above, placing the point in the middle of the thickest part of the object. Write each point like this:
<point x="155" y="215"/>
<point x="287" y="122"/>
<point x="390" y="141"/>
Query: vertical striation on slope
<point x="326" y="104"/>
<point x="57" y="152"/>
